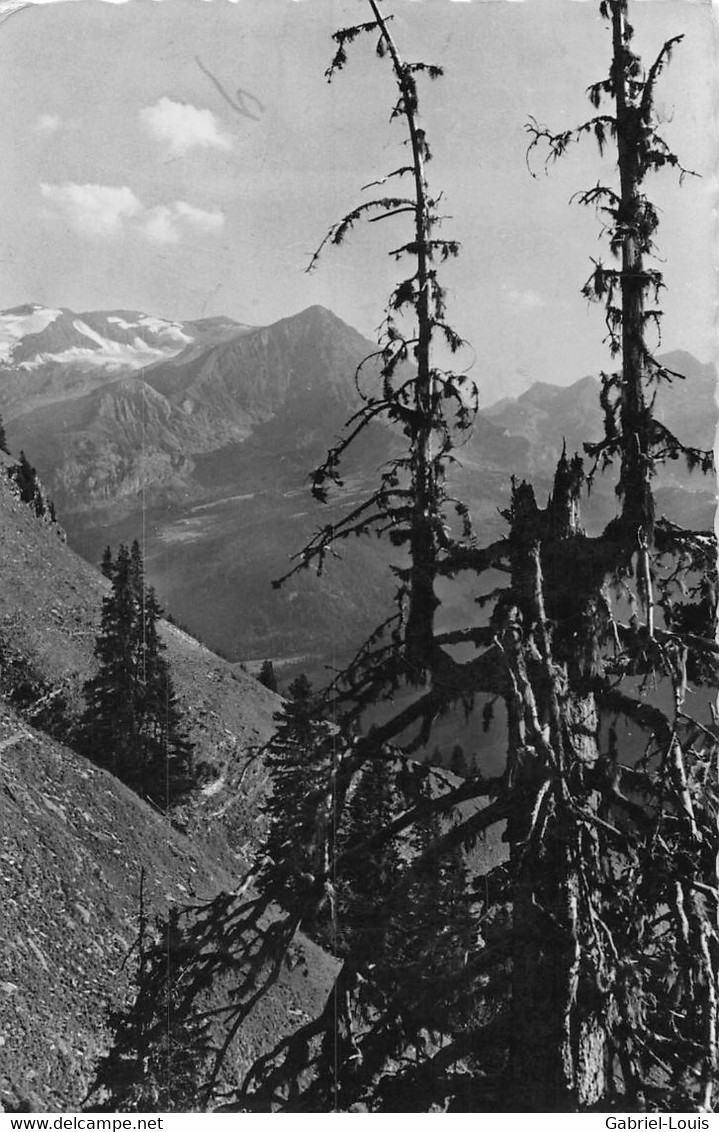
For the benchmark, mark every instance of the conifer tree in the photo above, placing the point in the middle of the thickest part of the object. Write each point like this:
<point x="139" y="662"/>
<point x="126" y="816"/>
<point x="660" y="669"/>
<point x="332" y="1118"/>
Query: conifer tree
<point x="132" y="723"/>
<point x="267" y="676"/>
<point x="434" y="929"/>
<point x="110" y="731"/>
<point x="3" y="438"/>
<point x="366" y="880"/>
<point x="299" y="761"/>
<point x="168" y="772"/>
<point x="155" y="1063"/>
<point x="25" y="476"/>
<point x="137" y="572"/>
<point x="106" y="565"/>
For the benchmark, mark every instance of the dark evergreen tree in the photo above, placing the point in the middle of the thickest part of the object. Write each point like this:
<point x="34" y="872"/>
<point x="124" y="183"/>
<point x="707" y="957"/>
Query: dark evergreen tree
<point x="107" y="565"/>
<point x="167" y="762"/>
<point x="299" y="759"/>
<point x="458" y="761"/>
<point x="267" y="676"/>
<point x="137" y="571"/>
<point x="432" y="986"/>
<point x="3" y="438"/>
<point x="132" y="723"/>
<point x="110" y="729"/>
<point x="25" y="476"/>
<point x="156" y="1063"/>
<point x="367" y="879"/>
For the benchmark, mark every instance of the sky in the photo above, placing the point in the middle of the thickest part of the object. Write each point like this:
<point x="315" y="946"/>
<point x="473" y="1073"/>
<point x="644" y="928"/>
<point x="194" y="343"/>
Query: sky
<point x="185" y="158"/>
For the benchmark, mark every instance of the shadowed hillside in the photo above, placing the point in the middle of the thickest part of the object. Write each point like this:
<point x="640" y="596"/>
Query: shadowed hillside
<point x="50" y="603"/>
<point x="74" y="840"/>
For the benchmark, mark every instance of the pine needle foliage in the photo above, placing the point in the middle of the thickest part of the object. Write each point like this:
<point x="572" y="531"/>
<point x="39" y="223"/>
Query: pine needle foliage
<point x="132" y="722"/>
<point x="29" y="488"/>
<point x="267" y="675"/>
<point x="299" y="759"/>
<point x="156" y="1061"/>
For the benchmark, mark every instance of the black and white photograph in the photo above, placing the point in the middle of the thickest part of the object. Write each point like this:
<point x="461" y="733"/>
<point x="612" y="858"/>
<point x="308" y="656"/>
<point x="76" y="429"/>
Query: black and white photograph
<point x="359" y="743"/>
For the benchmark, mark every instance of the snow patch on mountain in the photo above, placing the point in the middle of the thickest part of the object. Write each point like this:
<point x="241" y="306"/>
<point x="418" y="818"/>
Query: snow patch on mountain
<point x="159" y="327"/>
<point x="106" y="354"/>
<point x="32" y="337"/>
<point x="166" y="329"/>
<point x="16" y="323"/>
<point x="121" y="322"/>
<point x="83" y="328"/>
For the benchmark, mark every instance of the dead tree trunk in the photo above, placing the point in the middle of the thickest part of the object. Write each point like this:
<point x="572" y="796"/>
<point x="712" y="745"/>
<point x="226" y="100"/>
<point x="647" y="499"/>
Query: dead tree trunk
<point x="559" y="1054"/>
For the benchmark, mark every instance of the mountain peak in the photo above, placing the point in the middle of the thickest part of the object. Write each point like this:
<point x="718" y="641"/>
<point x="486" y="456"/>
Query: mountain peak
<point x="24" y="309"/>
<point x="318" y="311"/>
<point x="100" y="342"/>
<point x="18" y="323"/>
<point x="317" y="316"/>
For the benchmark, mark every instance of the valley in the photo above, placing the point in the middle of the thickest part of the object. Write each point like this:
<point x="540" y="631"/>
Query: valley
<point x="205" y="455"/>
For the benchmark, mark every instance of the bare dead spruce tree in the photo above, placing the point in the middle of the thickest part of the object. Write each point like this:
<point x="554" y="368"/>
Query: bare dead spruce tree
<point x="426" y="403"/>
<point x="589" y="975"/>
<point x="625" y="826"/>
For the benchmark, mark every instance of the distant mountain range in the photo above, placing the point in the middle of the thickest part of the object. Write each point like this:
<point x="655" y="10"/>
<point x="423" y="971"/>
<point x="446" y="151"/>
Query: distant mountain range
<point x="200" y="435"/>
<point x="547" y="414"/>
<point x="109" y="402"/>
<point x="33" y="334"/>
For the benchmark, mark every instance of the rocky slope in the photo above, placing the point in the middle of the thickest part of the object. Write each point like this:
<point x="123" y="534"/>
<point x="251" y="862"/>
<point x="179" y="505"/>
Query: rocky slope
<point x="50" y="601"/>
<point x="74" y="843"/>
<point x="74" y="840"/>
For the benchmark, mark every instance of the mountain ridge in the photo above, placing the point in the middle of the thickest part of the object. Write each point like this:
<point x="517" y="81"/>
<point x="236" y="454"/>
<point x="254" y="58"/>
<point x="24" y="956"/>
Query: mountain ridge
<point x="548" y="414"/>
<point x="209" y="452"/>
<point x="205" y="396"/>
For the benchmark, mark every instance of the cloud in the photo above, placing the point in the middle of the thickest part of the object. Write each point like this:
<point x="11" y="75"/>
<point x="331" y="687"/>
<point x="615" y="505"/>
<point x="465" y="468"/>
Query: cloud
<point x="108" y="210"/>
<point x="159" y="226"/>
<point x="201" y="218"/>
<point x="527" y="300"/>
<point x="165" y="223"/>
<point x="48" y="123"/>
<point x="182" y="127"/>
<point x="95" y="210"/>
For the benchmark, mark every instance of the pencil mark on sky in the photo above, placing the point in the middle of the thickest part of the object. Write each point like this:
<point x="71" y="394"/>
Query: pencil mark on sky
<point x="12" y="12"/>
<point x="240" y="103"/>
